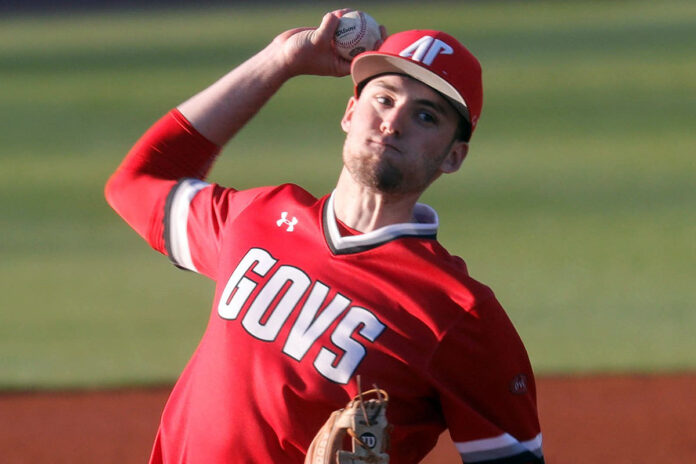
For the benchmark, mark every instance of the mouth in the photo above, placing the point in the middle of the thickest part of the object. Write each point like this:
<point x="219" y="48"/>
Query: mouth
<point x="383" y="145"/>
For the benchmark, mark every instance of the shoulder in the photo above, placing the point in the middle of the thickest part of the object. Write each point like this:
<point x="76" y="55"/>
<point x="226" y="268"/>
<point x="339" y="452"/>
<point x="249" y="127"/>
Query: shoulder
<point x="276" y="193"/>
<point x="243" y="198"/>
<point x="478" y="324"/>
<point x="288" y="192"/>
<point x="448" y="274"/>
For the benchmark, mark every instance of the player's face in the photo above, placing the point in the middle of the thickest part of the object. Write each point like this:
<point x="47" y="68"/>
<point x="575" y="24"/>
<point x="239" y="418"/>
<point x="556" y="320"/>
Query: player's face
<point x="400" y="136"/>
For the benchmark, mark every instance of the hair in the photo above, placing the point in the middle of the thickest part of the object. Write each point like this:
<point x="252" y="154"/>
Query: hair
<point x="463" y="130"/>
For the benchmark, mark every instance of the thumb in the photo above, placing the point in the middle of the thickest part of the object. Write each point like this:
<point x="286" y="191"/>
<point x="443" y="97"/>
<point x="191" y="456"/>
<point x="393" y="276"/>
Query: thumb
<point x="326" y="30"/>
<point x="329" y="24"/>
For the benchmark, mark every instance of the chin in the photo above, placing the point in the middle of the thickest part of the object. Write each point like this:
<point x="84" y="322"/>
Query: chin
<point x="386" y="177"/>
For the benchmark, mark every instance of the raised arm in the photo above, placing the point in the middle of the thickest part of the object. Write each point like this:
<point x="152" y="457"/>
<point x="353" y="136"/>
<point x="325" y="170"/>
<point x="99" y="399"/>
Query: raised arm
<point x="184" y="143"/>
<point x="222" y="109"/>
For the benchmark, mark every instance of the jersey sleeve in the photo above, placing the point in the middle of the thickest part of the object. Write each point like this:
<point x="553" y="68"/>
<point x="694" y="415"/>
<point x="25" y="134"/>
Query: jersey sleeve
<point x="170" y="150"/>
<point x="159" y="191"/>
<point x="195" y="217"/>
<point x="487" y="390"/>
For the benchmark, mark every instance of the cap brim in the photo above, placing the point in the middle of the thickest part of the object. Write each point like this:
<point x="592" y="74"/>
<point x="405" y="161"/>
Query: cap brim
<point x="370" y="64"/>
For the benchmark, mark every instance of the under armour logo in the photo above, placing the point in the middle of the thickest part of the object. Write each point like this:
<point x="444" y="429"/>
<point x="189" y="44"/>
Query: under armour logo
<point x="426" y="49"/>
<point x="284" y="220"/>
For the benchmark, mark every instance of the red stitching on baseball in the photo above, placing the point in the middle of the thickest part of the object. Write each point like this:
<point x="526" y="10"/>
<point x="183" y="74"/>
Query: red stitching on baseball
<point x="359" y="37"/>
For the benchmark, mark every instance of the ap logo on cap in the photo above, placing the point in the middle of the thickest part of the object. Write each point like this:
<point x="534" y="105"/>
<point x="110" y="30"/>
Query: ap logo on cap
<point x="426" y="49"/>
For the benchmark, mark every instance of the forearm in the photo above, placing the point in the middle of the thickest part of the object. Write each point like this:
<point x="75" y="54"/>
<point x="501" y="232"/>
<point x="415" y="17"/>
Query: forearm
<point x="221" y="110"/>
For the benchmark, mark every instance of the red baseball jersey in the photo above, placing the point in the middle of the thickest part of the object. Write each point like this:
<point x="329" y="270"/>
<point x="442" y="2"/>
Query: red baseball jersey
<point x="303" y="305"/>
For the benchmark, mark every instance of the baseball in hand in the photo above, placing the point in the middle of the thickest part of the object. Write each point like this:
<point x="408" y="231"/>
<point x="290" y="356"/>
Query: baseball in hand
<point x="357" y="32"/>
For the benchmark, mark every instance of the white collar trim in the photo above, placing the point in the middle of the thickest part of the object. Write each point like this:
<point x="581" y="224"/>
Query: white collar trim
<point x="426" y="226"/>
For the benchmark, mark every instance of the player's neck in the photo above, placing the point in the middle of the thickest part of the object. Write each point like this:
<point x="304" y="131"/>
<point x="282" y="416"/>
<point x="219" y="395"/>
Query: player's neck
<point x="365" y="209"/>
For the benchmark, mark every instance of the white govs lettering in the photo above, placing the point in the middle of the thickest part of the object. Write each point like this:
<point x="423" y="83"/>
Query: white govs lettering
<point x="279" y="297"/>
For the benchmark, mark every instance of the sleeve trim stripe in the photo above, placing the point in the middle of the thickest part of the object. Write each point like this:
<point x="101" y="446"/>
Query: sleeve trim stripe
<point x="500" y="447"/>
<point x="176" y="222"/>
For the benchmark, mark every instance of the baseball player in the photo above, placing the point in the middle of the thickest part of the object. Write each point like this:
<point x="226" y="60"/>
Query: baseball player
<point x="313" y="292"/>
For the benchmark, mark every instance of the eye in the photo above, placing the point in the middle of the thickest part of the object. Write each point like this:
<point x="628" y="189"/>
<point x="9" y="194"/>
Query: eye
<point x="426" y="117"/>
<point x="383" y="100"/>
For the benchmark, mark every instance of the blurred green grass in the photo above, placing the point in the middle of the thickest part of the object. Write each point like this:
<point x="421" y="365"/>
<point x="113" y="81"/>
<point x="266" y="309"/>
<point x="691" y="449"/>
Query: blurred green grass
<point x="577" y="202"/>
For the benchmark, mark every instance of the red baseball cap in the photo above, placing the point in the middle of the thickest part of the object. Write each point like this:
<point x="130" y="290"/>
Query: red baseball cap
<point x="433" y="57"/>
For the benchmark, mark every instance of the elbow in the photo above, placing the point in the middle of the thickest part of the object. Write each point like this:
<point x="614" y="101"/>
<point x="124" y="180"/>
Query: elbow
<point x="138" y="199"/>
<point x="109" y="191"/>
<point x="124" y="192"/>
<point x="113" y="190"/>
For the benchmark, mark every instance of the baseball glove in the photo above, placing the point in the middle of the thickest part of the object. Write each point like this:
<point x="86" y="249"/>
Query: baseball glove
<point x="365" y="421"/>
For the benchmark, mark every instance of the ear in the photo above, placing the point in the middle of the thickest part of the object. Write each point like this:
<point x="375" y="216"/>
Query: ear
<point x="348" y="115"/>
<point x="454" y="159"/>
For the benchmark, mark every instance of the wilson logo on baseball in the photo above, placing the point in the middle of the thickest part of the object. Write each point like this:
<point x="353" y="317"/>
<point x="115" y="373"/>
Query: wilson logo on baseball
<point x="356" y="32"/>
<point x="341" y="34"/>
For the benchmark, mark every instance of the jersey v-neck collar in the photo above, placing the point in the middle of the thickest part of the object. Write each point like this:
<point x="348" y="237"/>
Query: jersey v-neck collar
<point x="426" y="227"/>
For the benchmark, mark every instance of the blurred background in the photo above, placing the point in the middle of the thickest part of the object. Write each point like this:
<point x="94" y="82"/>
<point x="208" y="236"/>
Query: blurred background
<point x="577" y="203"/>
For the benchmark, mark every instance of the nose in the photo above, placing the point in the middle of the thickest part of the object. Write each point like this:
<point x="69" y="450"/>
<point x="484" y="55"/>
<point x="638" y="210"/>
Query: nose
<point x="392" y="122"/>
<point x="387" y="127"/>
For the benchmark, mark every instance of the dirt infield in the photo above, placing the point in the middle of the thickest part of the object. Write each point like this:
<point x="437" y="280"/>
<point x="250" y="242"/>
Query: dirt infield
<point x="617" y="420"/>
